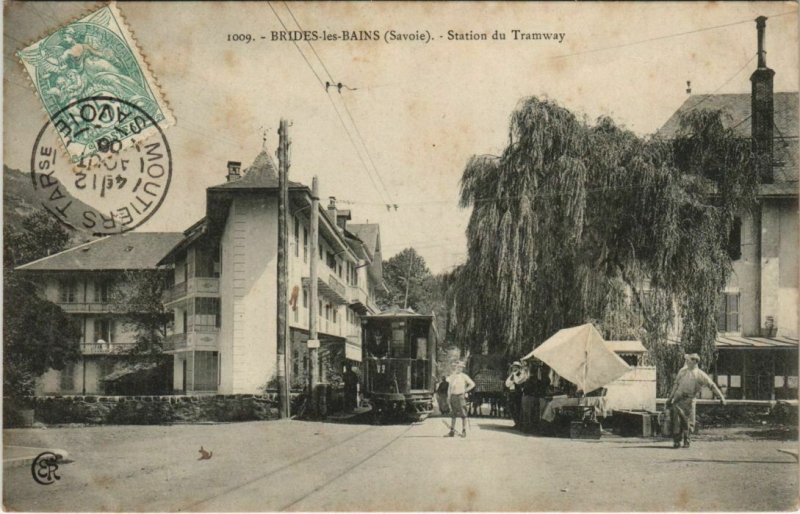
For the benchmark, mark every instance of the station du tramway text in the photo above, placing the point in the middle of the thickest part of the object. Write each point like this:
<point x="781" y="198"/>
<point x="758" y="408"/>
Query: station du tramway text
<point x="399" y="36"/>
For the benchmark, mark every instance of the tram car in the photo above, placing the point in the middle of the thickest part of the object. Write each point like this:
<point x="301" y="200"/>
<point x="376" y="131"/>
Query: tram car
<point x="399" y="355"/>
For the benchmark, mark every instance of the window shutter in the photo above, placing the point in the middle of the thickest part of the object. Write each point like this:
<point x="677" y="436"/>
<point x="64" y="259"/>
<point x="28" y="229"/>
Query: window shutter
<point x="733" y="312"/>
<point x="721" y="313"/>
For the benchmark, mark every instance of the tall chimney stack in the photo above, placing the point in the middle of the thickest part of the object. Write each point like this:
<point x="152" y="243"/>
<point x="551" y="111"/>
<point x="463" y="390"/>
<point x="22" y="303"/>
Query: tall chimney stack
<point x="762" y="109"/>
<point x="332" y="209"/>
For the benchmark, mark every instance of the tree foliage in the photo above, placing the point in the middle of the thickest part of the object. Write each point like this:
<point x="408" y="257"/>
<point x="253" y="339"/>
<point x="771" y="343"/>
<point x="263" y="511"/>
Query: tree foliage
<point x="137" y="299"/>
<point x="409" y="282"/>
<point x="39" y="235"/>
<point x="37" y="334"/>
<point x="572" y="217"/>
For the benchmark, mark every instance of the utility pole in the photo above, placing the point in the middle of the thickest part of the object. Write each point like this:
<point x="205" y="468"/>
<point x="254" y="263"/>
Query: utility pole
<point x="283" y="236"/>
<point x="313" y="293"/>
<point x="408" y="280"/>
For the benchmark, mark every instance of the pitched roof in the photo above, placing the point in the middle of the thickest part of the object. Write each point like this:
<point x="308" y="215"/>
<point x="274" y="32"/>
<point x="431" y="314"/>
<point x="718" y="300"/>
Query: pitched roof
<point x="262" y="174"/>
<point x="368" y="233"/>
<point x="737" y="108"/>
<point x="128" y="251"/>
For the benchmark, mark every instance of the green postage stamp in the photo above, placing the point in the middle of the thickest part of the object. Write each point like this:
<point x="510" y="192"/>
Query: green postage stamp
<point x="95" y="56"/>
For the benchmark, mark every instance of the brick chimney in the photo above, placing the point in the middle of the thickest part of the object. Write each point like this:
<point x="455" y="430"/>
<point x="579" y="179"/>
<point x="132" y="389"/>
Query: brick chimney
<point x="332" y="209"/>
<point x="234" y="170"/>
<point x="762" y="110"/>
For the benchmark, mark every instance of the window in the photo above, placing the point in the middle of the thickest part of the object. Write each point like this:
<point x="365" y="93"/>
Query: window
<point x="103" y="330"/>
<point x="68" y="291"/>
<point x="728" y="312"/>
<point x="321" y="255"/>
<point x="305" y="244"/>
<point x="67" y="377"/>
<point x="334" y="314"/>
<point x="305" y="298"/>
<point x="205" y="371"/>
<point x="101" y="291"/>
<point x="735" y="240"/>
<point x="206" y="313"/>
<point x="339" y="270"/>
<point x="331" y="259"/>
<point x="296" y="237"/>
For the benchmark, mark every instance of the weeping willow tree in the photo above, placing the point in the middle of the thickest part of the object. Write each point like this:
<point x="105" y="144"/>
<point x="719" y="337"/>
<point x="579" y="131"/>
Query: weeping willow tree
<point x="577" y="223"/>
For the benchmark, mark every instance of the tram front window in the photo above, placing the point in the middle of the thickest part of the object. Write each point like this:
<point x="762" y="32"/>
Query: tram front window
<point x="378" y="337"/>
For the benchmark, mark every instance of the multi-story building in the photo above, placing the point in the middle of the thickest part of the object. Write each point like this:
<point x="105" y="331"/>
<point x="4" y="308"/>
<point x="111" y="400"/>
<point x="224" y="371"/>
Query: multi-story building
<point x="223" y="289"/>
<point x="757" y="320"/>
<point x="82" y="281"/>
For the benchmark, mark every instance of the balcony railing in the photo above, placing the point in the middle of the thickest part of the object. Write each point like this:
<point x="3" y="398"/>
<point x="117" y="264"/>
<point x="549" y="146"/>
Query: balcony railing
<point x="196" y="285"/>
<point x="174" y="342"/>
<point x="357" y="295"/>
<point x="173" y="293"/>
<point x="200" y="337"/>
<point x="76" y="307"/>
<point x="106" y="348"/>
<point x="361" y="301"/>
<point x="330" y="286"/>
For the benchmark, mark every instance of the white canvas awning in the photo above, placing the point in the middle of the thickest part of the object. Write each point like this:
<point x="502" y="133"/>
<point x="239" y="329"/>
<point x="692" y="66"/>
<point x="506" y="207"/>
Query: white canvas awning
<point x="580" y="355"/>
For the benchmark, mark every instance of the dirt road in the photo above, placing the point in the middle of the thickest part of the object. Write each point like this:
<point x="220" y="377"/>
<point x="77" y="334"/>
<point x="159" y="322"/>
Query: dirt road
<point x="321" y="466"/>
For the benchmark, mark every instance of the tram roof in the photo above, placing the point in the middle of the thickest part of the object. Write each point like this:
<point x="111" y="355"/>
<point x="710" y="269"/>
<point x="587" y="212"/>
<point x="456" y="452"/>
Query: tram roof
<point x="397" y="312"/>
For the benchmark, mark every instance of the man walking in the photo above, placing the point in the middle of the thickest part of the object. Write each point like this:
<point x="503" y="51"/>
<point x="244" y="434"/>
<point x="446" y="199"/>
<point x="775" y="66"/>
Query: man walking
<point x="459" y="384"/>
<point x="688" y="383"/>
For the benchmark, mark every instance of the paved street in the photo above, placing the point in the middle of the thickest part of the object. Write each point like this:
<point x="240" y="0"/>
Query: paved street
<point x="303" y="466"/>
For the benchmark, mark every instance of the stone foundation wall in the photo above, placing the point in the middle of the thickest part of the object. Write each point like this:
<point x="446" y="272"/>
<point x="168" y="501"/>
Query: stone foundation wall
<point x="145" y="410"/>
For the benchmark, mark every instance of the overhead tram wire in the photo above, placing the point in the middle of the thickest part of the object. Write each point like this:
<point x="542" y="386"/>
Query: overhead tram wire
<point x="338" y="114"/>
<point x="347" y="110"/>
<point x="355" y="146"/>
<point x="667" y="36"/>
<point x="709" y="95"/>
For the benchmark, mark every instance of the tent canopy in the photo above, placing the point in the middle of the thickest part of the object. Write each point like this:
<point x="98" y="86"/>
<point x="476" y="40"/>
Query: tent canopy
<point x="580" y="355"/>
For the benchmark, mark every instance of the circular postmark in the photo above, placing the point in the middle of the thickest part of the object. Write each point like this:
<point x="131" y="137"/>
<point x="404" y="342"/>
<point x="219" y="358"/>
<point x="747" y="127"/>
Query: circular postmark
<point x="115" y="187"/>
<point x="44" y="468"/>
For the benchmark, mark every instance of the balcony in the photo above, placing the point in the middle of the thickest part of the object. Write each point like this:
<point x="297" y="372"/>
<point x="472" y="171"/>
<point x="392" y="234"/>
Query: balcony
<point x="330" y="286"/>
<point x="87" y="307"/>
<point x="106" y="348"/>
<point x="357" y="299"/>
<point x="206" y="286"/>
<point x="198" y="338"/>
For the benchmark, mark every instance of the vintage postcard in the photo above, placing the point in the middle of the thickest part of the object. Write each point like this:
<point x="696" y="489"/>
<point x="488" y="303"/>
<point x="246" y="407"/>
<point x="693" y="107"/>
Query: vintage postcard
<point x="400" y="256"/>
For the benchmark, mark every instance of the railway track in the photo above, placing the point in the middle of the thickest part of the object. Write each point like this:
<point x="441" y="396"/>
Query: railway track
<point x="288" y="485"/>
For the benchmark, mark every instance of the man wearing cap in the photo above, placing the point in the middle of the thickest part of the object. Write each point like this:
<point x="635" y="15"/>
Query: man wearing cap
<point x="688" y="383"/>
<point x="518" y="376"/>
<point x="459" y="384"/>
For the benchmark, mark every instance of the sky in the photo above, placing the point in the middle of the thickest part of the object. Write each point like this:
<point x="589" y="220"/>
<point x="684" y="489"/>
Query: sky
<point x="419" y="109"/>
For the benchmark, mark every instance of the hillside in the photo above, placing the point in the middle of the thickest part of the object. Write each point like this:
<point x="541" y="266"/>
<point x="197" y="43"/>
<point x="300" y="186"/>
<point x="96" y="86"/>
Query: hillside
<point x="20" y="200"/>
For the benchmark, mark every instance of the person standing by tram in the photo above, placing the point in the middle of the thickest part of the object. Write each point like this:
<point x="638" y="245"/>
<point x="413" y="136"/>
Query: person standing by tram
<point x="441" y="396"/>
<point x="459" y="384"/>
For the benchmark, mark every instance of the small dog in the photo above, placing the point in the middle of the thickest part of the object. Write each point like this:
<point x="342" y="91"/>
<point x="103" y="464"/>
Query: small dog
<point x="204" y="455"/>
